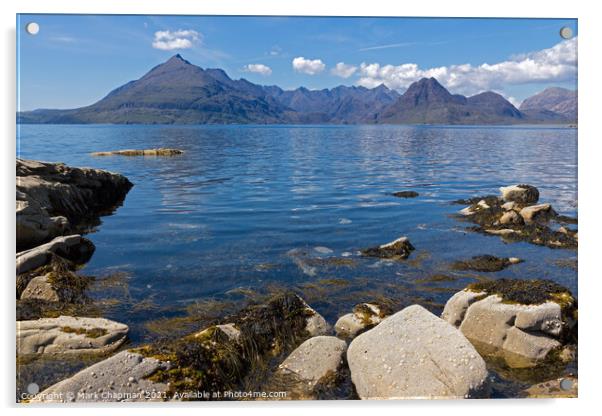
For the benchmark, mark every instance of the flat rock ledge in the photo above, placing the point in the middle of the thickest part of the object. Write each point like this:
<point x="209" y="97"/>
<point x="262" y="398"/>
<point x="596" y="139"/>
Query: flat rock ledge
<point x="522" y="334"/>
<point x="315" y="361"/>
<point x="69" y="335"/>
<point x="414" y="354"/>
<point x="363" y="317"/>
<point x="141" y="152"/>
<point x="121" y="378"/>
<point x="52" y="199"/>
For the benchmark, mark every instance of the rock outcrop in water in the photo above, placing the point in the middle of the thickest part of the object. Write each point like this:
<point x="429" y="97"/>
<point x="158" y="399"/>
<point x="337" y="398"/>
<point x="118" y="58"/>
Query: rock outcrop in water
<point x="520" y="321"/>
<point x="486" y="263"/>
<point x="54" y="199"/>
<point x="395" y="250"/>
<point x="515" y="216"/>
<point x="140" y="152"/>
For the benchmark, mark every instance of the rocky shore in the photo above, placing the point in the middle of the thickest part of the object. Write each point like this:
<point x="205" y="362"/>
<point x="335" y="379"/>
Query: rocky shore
<point x="280" y="343"/>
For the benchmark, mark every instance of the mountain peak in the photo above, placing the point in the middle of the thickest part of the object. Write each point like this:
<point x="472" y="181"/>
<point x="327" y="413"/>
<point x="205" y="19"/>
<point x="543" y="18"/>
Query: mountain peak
<point x="427" y="91"/>
<point x="178" y="59"/>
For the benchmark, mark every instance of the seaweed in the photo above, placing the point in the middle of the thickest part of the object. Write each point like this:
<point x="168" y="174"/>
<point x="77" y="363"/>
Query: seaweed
<point x="526" y="292"/>
<point x="483" y="263"/>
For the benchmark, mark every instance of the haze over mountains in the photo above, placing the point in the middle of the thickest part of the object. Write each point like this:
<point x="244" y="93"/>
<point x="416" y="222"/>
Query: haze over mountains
<point x="177" y="92"/>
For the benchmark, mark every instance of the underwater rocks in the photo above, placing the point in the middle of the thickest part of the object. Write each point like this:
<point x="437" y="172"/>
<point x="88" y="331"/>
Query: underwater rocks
<point x="123" y="377"/>
<point x="520" y="320"/>
<point x="486" y="263"/>
<point x="69" y="335"/>
<point x="314" y="362"/>
<point x="140" y="152"/>
<point x="398" y="249"/>
<point x="364" y="317"/>
<point x="515" y="217"/>
<point x="405" y="194"/>
<point x="414" y="354"/>
<point x="53" y="199"/>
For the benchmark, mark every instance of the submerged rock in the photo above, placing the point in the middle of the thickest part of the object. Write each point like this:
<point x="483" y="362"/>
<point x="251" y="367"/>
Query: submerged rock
<point x="121" y="378"/>
<point x="414" y="354"/>
<point x="523" y="194"/>
<point x="395" y="250"/>
<point x="141" y="152"/>
<point x="53" y="199"/>
<point x="521" y="321"/>
<point x="553" y="389"/>
<point x="69" y="335"/>
<point x="405" y="194"/>
<point x="486" y="263"/>
<point x="315" y="361"/>
<point x="364" y="317"/>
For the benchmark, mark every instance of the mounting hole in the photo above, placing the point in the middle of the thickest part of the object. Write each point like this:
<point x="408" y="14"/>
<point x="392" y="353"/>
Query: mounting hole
<point x="32" y="28"/>
<point x="566" y="384"/>
<point x="566" y="32"/>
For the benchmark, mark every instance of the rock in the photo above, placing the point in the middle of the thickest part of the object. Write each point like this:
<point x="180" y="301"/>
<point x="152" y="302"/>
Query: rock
<point x="509" y="206"/>
<point x="53" y="198"/>
<point x="69" y="335"/>
<point x="456" y="306"/>
<point x="315" y="360"/>
<point x="468" y="211"/>
<point x="405" y="194"/>
<point x="141" y="152"/>
<point x="120" y="378"/>
<point x="537" y="212"/>
<point x="74" y="248"/>
<point x="485" y="263"/>
<point x="395" y="250"/>
<point x="364" y="316"/>
<point x="483" y="204"/>
<point x="414" y="354"/>
<point x="40" y="288"/>
<point x="227" y="332"/>
<point x="504" y="232"/>
<point x="511" y="217"/>
<point x="532" y="346"/>
<point x="521" y="321"/>
<point x="523" y="194"/>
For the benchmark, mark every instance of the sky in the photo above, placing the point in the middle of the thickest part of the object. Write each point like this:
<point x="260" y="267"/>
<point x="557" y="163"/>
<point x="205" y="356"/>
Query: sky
<point x="75" y="60"/>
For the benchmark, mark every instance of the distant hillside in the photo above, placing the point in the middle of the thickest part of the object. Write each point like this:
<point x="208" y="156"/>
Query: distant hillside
<point x="555" y="100"/>
<point x="178" y="92"/>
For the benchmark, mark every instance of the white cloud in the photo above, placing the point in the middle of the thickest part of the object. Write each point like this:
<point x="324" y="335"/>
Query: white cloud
<point x="343" y="70"/>
<point x="179" y="39"/>
<point x="308" y="66"/>
<point x="258" y="69"/>
<point x="555" y="64"/>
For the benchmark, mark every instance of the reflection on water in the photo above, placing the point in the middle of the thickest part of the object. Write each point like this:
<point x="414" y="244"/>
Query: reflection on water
<point x="227" y="214"/>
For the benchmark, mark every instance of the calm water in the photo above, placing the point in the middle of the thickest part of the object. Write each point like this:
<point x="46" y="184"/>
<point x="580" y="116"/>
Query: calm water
<point x="250" y="207"/>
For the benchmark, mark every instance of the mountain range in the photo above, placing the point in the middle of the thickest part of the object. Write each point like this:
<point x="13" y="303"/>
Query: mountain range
<point x="178" y="92"/>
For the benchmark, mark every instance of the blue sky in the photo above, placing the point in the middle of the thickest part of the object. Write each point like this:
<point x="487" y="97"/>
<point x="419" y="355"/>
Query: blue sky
<point x="75" y="60"/>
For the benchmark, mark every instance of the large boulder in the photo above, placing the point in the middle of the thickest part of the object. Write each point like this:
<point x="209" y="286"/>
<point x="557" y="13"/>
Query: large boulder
<point x="521" y="321"/>
<point x="121" y="378"/>
<point x="315" y="361"/>
<point x="69" y="335"/>
<point x="537" y="212"/>
<point x="523" y="194"/>
<point x="414" y="354"/>
<point x="53" y="198"/>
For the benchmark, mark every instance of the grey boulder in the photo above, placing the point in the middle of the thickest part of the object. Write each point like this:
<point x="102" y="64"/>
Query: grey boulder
<point x="414" y="354"/>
